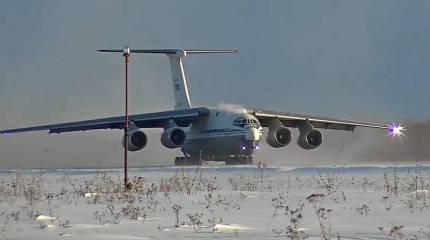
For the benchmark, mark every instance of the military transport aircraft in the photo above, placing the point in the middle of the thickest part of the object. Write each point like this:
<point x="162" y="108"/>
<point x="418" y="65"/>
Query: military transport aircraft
<point x="211" y="134"/>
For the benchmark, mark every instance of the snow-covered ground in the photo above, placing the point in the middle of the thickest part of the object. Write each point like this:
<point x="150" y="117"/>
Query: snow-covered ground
<point x="246" y="202"/>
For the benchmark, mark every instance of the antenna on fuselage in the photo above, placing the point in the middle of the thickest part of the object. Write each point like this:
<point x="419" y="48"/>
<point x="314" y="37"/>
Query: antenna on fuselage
<point x="179" y="80"/>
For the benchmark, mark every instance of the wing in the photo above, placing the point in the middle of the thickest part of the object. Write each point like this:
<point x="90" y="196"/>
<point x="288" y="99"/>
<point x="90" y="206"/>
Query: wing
<point x="293" y="120"/>
<point x="147" y="120"/>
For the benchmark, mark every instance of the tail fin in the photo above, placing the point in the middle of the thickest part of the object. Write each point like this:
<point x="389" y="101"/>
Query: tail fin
<point x="179" y="80"/>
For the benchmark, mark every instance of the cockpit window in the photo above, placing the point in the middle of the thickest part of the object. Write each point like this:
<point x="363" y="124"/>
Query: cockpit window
<point x="246" y="122"/>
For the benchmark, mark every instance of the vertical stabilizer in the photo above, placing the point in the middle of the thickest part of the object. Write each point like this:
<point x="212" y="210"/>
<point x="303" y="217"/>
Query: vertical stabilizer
<point x="179" y="82"/>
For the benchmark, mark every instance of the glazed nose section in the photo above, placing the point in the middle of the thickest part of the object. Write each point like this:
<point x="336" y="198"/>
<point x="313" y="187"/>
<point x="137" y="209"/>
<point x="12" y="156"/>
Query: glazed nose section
<point x="252" y="134"/>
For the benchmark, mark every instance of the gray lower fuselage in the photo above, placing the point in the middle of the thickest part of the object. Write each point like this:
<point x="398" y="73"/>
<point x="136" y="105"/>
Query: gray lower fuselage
<point x="223" y="133"/>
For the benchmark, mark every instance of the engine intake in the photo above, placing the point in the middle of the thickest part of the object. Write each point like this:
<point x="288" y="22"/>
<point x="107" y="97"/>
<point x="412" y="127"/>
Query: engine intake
<point x="310" y="139"/>
<point x="279" y="137"/>
<point x="136" y="140"/>
<point x="173" y="137"/>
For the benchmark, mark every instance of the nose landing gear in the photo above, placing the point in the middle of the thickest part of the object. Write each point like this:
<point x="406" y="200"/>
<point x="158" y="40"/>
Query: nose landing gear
<point x="239" y="160"/>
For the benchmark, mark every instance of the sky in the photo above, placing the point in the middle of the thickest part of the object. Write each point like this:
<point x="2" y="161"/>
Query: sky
<point x="361" y="60"/>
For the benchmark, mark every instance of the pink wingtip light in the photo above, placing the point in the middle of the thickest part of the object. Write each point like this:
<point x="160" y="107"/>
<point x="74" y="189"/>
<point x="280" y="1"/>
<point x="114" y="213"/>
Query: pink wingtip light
<point x="395" y="130"/>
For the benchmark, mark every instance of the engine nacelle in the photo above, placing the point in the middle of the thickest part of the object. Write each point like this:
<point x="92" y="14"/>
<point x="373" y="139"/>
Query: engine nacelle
<point x="173" y="137"/>
<point x="310" y="139"/>
<point x="279" y="137"/>
<point x="136" y="140"/>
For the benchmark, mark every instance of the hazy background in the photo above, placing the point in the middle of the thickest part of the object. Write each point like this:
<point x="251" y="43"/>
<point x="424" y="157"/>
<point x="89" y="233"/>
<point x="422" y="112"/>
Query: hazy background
<point x="363" y="60"/>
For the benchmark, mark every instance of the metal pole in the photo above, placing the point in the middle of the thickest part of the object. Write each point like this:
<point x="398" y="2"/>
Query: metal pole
<point x="126" y="55"/>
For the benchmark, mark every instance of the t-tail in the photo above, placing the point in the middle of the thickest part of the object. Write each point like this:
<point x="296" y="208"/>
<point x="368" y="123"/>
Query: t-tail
<point x="179" y="80"/>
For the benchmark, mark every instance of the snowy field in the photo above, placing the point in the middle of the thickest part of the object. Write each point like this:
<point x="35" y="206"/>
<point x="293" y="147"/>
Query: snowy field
<point x="242" y="202"/>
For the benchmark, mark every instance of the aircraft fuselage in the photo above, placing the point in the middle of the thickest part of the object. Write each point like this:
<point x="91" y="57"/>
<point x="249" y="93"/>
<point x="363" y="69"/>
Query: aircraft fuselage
<point x="223" y="133"/>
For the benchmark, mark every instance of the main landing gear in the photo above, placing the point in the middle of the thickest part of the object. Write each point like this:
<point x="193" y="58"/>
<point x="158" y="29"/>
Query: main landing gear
<point x="187" y="161"/>
<point x="229" y="160"/>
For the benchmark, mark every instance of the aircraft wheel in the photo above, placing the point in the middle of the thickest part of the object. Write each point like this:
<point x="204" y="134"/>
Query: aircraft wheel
<point x="232" y="161"/>
<point x="186" y="161"/>
<point x="246" y="160"/>
<point x="192" y="161"/>
<point x="249" y="160"/>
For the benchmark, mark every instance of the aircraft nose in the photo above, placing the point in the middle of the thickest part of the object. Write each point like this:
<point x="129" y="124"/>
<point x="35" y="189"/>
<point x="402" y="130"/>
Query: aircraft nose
<point x="252" y="134"/>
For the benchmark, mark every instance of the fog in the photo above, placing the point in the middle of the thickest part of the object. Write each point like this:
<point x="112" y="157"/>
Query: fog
<point x="413" y="146"/>
<point x="363" y="146"/>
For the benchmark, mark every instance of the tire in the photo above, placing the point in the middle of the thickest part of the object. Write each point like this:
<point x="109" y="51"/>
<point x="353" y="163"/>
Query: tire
<point x="236" y="160"/>
<point x="246" y="160"/>
<point x="250" y="160"/>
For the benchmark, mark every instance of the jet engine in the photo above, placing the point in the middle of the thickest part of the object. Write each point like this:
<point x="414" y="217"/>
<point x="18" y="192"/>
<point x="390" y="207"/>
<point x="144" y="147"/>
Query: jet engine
<point x="136" y="140"/>
<point x="173" y="137"/>
<point x="279" y="137"/>
<point x="310" y="139"/>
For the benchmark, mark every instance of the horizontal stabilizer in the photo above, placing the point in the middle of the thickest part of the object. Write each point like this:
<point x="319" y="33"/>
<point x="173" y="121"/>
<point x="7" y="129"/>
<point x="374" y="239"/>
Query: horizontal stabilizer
<point x="171" y="51"/>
